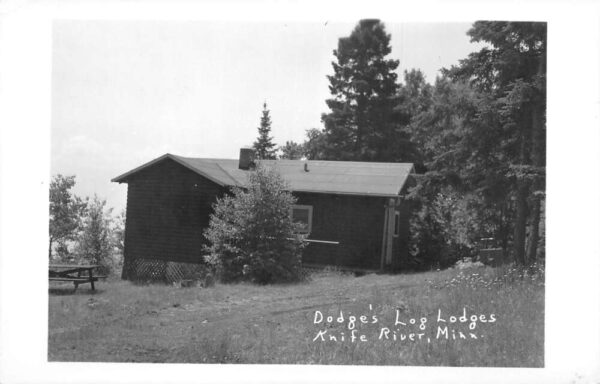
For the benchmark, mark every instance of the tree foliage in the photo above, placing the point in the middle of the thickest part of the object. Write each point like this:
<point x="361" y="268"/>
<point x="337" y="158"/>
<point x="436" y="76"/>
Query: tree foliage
<point x="251" y="234"/>
<point x="118" y="231"/>
<point x="362" y="124"/>
<point x="263" y="146"/>
<point x="65" y="213"/>
<point x="414" y="98"/>
<point x="447" y="226"/>
<point x="95" y="245"/>
<point x="83" y="230"/>
<point x="483" y="135"/>
<point x="414" y="95"/>
<point x="292" y="151"/>
<point x="512" y="72"/>
<point x="314" y="145"/>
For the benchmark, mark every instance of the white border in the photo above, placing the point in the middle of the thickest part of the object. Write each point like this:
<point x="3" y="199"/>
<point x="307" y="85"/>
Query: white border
<point x="572" y="310"/>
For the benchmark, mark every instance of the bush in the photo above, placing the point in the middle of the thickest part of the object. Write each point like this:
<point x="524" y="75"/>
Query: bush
<point x="251" y="234"/>
<point x="445" y="228"/>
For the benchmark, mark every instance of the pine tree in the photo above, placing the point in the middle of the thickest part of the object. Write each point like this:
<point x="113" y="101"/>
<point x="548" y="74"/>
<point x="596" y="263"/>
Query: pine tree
<point x="361" y="124"/>
<point x="484" y="133"/>
<point x="512" y="71"/>
<point x="264" y="146"/>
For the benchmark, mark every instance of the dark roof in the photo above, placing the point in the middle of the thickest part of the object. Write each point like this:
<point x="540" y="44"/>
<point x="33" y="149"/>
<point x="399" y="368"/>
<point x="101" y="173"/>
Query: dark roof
<point x="335" y="177"/>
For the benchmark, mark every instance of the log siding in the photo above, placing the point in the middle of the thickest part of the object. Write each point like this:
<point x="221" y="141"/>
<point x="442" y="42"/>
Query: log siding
<point x="169" y="206"/>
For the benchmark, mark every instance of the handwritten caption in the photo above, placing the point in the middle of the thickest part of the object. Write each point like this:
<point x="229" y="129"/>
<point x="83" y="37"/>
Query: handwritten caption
<point x="369" y="326"/>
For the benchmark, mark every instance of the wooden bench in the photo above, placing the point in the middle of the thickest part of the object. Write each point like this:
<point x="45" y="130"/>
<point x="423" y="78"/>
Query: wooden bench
<point x="73" y="273"/>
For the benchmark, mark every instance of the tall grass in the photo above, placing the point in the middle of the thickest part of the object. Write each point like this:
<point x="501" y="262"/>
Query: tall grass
<point x="275" y="324"/>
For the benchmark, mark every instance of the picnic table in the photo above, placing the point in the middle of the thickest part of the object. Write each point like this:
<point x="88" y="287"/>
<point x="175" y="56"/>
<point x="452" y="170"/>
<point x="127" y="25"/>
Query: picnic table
<point x="78" y="274"/>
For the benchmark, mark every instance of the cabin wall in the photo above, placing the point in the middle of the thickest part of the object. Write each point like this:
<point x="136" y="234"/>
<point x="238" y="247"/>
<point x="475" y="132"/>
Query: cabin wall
<point x="168" y="207"/>
<point x="356" y="222"/>
<point x="400" y="256"/>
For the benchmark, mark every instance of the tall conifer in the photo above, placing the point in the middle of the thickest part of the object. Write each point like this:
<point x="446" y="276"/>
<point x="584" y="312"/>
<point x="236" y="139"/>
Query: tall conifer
<point x="361" y="124"/>
<point x="264" y="146"/>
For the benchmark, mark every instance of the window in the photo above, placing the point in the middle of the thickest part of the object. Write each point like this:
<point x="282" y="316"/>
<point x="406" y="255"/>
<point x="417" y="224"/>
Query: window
<point x="303" y="214"/>
<point x="396" y="224"/>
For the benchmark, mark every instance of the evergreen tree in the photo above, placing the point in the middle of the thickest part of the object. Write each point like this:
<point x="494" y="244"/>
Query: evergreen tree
<point x="511" y="70"/>
<point x="414" y="98"/>
<point x="459" y="198"/>
<point x="264" y="146"/>
<point x="362" y="123"/>
<point x="484" y="134"/>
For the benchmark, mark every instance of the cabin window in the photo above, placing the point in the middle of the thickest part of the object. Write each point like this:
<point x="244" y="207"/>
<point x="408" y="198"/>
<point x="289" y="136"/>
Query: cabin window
<point x="396" y="224"/>
<point x="303" y="214"/>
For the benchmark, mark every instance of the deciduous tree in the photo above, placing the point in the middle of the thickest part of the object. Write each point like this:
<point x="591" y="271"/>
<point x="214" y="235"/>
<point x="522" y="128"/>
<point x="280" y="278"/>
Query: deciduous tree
<point x="292" y="150"/>
<point x="94" y="244"/>
<point x="315" y="144"/>
<point x="65" y="211"/>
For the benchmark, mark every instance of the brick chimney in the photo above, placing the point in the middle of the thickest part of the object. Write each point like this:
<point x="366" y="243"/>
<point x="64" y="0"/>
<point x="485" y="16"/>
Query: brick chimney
<point x="246" y="158"/>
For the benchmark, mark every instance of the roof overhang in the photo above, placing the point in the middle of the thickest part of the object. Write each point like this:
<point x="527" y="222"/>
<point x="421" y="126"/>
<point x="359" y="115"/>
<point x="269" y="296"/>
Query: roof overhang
<point x="123" y="178"/>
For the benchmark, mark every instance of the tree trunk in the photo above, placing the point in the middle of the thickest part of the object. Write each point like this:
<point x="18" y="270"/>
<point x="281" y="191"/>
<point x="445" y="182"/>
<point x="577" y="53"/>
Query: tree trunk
<point x="537" y="156"/>
<point x="534" y="232"/>
<point x="504" y="230"/>
<point x="520" y="229"/>
<point x="125" y="269"/>
<point x="358" y="154"/>
<point x="520" y="223"/>
<point x="50" y="250"/>
<point x="538" y="161"/>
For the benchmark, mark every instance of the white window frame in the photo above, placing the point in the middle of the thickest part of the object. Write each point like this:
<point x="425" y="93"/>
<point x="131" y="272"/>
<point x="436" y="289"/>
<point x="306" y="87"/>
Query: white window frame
<point x="310" y="216"/>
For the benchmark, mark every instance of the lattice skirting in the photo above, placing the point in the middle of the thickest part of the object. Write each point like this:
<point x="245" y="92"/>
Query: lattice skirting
<point x="149" y="270"/>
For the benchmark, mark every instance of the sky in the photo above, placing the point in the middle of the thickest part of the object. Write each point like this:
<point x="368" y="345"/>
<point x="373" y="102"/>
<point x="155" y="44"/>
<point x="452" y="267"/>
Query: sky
<point x="126" y="92"/>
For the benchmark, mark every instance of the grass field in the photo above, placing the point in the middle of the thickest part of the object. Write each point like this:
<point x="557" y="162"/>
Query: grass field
<point x="243" y="323"/>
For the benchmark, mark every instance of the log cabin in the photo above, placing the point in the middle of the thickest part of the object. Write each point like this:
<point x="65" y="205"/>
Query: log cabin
<point x="354" y="213"/>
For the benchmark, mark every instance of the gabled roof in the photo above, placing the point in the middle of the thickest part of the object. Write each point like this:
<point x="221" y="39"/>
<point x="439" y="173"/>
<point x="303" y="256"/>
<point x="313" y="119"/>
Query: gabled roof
<point x="335" y="177"/>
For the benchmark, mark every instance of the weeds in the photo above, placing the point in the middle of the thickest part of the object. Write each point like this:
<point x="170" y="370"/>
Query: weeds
<point x="244" y="323"/>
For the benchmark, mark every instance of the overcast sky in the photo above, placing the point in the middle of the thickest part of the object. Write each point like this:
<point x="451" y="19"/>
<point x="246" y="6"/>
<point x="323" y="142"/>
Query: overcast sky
<point x="125" y="92"/>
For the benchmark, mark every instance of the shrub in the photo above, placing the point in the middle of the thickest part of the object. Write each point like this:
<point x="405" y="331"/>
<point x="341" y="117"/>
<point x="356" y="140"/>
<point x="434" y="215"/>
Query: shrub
<point x="445" y="227"/>
<point x="251" y="234"/>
